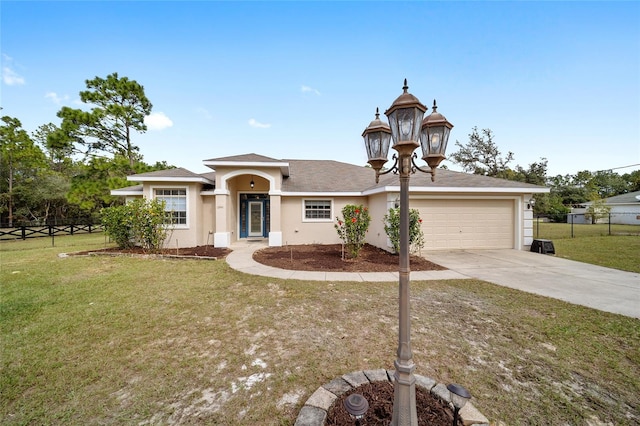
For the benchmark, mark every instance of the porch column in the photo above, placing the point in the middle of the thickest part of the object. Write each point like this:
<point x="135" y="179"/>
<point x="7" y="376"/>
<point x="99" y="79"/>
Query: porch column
<point x="222" y="236"/>
<point x="275" y="233"/>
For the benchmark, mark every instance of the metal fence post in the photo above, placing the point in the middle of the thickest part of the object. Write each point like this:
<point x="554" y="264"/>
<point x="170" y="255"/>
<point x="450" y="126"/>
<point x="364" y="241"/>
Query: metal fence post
<point x="572" y="226"/>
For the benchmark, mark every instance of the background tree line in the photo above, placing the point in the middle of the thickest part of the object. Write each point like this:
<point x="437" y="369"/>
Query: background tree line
<point x="65" y="172"/>
<point x="480" y="155"/>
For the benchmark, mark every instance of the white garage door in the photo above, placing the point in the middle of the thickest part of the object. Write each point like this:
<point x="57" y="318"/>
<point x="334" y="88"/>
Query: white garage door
<point x="466" y="224"/>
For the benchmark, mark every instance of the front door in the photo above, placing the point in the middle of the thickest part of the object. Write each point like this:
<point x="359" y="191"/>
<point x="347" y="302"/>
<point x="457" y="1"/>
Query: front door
<point x="256" y="219"/>
<point x="254" y="215"/>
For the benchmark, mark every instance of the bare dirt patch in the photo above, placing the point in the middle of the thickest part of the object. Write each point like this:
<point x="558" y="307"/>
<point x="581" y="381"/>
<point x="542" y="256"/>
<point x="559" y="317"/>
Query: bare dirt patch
<point x="320" y="257"/>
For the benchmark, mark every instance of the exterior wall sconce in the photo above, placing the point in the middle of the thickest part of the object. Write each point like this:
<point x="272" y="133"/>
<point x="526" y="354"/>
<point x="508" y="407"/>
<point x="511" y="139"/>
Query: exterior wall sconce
<point x="357" y="406"/>
<point x="532" y="202"/>
<point x="252" y="183"/>
<point x="459" y="398"/>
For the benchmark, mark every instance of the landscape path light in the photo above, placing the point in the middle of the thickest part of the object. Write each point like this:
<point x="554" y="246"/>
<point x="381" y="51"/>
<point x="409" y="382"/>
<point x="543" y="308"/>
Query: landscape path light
<point x="459" y="398"/>
<point x="408" y="131"/>
<point x="357" y="406"/>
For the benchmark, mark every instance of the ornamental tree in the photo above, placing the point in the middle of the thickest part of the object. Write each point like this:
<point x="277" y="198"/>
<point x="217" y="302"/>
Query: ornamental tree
<point x="392" y="228"/>
<point x="353" y="226"/>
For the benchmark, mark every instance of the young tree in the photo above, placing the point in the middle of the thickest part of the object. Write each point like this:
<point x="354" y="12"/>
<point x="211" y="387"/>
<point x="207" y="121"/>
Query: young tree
<point x="353" y="227"/>
<point x="119" y="109"/>
<point x="597" y="210"/>
<point x="391" y="222"/>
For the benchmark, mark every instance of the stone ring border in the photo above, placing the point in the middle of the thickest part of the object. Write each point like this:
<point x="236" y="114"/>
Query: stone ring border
<point x="314" y="411"/>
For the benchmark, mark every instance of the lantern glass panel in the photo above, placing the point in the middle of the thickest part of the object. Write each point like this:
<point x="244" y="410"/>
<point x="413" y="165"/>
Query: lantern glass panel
<point x="405" y="124"/>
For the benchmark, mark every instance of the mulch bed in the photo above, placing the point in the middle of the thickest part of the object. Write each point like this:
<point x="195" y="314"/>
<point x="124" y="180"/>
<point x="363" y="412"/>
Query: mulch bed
<point x="320" y="257"/>
<point x="431" y="410"/>
<point x="199" y="251"/>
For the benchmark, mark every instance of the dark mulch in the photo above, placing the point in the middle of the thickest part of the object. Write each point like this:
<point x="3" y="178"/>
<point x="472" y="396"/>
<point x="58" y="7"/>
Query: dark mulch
<point x="320" y="257"/>
<point x="431" y="410"/>
<point x="199" y="251"/>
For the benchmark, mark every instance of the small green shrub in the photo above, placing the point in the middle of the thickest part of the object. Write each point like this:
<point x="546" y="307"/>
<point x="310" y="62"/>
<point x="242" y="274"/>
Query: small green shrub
<point x="392" y="228"/>
<point x="118" y="224"/>
<point x="353" y="226"/>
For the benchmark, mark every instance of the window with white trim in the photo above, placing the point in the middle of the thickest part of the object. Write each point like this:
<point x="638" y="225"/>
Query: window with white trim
<point x="319" y="210"/>
<point x="175" y="204"/>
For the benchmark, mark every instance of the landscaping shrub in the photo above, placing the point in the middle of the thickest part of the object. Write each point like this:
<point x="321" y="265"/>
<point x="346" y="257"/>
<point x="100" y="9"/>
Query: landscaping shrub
<point x="118" y="224"/>
<point x="353" y="226"/>
<point x="139" y="222"/>
<point x="392" y="228"/>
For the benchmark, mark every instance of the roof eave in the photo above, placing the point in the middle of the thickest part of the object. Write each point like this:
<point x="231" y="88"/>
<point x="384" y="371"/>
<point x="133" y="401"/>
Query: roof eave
<point x="459" y="189"/>
<point x="196" y="179"/>
<point x="284" y="166"/>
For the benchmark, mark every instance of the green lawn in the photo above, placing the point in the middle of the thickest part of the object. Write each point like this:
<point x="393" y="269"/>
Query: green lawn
<point x="593" y="244"/>
<point x="121" y="340"/>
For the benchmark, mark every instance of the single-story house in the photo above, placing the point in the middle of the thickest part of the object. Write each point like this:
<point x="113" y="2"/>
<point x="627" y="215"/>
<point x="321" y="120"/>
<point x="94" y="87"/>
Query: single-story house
<point x="297" y="201"/>
<point x="625" y="210"/>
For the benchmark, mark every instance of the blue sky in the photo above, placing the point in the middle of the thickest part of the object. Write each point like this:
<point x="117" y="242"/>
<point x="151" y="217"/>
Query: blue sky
<point x="559" y="80"/>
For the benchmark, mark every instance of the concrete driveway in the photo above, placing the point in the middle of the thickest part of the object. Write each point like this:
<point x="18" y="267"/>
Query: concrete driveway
<point x="601" y="288"/>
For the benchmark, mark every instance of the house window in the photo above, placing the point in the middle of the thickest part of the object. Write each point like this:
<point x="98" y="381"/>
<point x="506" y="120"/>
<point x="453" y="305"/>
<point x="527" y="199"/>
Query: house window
<point x="319" y="210"/>
<point x="175" y="205"/>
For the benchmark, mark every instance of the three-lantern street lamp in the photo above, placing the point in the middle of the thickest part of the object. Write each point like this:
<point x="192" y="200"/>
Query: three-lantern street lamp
<point x="408" y="131"/>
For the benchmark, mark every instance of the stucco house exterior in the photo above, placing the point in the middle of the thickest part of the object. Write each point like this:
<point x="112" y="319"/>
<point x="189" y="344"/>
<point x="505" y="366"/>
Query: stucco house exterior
<point x="287" y="202"/>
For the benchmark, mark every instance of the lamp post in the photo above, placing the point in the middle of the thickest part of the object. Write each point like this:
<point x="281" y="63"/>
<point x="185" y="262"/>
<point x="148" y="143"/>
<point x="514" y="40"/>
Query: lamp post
<point x="408" y="131"/>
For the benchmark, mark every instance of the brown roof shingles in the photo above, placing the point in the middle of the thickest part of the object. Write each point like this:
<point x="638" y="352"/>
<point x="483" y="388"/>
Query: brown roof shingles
<point x="309" y="176"/>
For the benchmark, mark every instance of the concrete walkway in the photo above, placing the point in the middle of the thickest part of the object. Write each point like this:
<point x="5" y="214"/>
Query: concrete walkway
<point x="241" y="259"/>
<point x="600" y="288"/>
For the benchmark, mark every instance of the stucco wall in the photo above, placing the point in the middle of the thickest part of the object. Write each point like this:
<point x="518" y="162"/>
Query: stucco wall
<point x="208" y="219"/>
<point x="295" y="230"/>
<point x="379" y="205"/>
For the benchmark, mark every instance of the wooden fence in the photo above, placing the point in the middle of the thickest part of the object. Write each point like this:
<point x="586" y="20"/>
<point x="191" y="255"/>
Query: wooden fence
<point x="24" y="232"/>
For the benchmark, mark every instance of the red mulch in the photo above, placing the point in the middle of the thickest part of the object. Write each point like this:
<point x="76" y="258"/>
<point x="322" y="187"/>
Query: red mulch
<point x="431" y="410"/>
<point x="320" y="257"/>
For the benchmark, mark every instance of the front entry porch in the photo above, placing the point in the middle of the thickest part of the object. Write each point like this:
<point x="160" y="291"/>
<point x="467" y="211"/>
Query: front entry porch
<point x="255" y="214"/>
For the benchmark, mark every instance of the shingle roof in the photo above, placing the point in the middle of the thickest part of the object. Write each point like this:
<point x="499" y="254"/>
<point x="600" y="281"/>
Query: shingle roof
<point x="627" y="198"/>
<point x="247" y="158"/>
<point x="334" y="176"/>
<point x="178" y="172"/>
<point x="309" y="176"/>
<point x="326" y="176"/>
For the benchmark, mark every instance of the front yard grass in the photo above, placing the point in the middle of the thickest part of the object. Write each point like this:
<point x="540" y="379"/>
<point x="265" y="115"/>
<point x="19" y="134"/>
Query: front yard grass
<point x="102" y="340"/>
<point x="592" y="244"/>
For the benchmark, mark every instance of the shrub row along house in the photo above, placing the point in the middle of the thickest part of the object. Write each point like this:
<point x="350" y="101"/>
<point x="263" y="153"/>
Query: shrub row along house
<point x="297" y="201"/>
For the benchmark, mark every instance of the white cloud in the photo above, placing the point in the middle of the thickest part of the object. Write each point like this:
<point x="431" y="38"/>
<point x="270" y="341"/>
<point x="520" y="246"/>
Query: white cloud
<point x="205" y="113"/>
<point x="10" y="77"/>
<point x="55" y="98"/>
<point x="307" y="89"/>
<point x="157" y="121"/>
<point x="258" y="125"/>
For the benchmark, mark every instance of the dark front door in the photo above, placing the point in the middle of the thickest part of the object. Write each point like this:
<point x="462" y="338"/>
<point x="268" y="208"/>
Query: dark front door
<point x="254" y="215"/>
